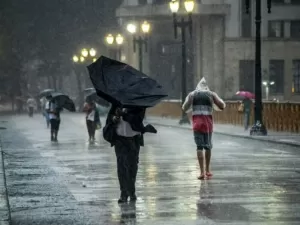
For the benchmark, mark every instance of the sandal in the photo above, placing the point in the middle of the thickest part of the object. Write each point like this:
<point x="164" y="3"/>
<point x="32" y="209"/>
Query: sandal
<point x="202" y="177"/>
<point x="209" y="174"/>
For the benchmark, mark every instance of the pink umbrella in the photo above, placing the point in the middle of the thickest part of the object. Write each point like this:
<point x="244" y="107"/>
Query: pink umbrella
<point x="246" y="94"/>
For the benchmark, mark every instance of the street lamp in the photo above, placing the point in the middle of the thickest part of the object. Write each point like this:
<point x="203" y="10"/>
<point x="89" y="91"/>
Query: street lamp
<point x="75" y="58"/>
<point x="119" y="40"/>
<point x="267" y="85"/>
<point x="84" y="52"/>
<point x="141" y="40"/>
<point x="258" y="128"/>
<point x="182" y="24"/>
<point x="93" y="52"/>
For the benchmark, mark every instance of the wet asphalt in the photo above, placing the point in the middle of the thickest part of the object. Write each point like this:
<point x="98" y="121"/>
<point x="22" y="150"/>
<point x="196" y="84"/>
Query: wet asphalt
<point x="75" y="182"/>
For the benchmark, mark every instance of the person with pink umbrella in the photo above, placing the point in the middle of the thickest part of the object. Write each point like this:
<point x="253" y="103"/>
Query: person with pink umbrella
<point x="246" y="106"/>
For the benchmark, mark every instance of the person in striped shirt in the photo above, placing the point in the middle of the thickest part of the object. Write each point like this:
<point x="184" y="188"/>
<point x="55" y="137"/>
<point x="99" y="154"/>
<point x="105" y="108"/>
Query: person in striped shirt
<point x="203" y="101"/>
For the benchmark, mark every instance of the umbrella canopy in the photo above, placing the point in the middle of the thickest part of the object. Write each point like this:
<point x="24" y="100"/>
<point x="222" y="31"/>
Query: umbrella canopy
<point x="46" y="92"/>
<point x="63" y="101"/>
<point x="93" y="97"/>
<point x="246" y="94"/>
<point x="121" y="84"/>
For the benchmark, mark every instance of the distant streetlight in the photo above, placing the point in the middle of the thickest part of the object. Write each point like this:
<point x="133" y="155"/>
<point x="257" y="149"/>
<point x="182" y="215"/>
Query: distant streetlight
<point x="84" y="52"/>
<point x="131" y="28"/>
<point x="183" y="25"/>
<point x="93" y="52"/>
<point x="119" y="39"/>
<point x="110" y="39"/>
<point x="141" y="40"/>
<point x="115" y="42"/>
<point x="75" y="58"/>
<point x="267" y="85"/>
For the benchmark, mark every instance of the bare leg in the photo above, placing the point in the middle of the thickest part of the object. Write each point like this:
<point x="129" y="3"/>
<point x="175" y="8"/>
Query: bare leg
<point x="200" y="156"/>
<point x="207" y="160"/>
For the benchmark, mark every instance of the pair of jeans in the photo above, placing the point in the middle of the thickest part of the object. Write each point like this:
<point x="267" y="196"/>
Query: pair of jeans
<point x="127" y="151"/>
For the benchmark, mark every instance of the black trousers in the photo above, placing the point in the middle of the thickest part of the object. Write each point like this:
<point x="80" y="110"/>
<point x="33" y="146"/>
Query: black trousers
<point x="127" y="153"/>
<point x="54" y="125"/>
<point x="91" y="127"/>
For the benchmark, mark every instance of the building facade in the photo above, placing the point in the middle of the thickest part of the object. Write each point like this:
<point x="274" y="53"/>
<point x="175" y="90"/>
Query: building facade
<point x="222" y="46"/>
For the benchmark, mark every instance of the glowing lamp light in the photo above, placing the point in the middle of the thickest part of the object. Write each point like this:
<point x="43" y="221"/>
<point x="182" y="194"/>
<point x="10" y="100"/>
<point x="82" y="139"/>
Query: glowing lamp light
<point x="174" y="6"/>
<point x="189" y="5"/>
<point x="84" y="52"/>
<point x="110" y="39"/>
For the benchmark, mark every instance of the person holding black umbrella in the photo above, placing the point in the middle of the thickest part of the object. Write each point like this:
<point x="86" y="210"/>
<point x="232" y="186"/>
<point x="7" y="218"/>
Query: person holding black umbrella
<point x="130" y="92"/>
<point x="54" y="115"/>
<point x="124" y="130"/>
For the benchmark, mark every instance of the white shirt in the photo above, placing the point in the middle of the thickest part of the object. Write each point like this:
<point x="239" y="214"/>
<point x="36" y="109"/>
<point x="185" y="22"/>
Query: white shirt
<point x="51" y="107"/>
<point x="124" y="129"/>
<point x="91" y="116"/>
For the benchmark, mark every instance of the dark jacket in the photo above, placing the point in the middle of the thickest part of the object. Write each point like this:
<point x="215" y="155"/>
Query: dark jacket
<point x="134" y="117"/>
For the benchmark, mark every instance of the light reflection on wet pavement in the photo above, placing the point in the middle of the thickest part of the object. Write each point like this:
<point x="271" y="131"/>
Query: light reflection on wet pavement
<point x="254" y="182"/>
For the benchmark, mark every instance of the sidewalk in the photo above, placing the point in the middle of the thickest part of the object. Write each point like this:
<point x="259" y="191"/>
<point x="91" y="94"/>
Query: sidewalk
<point x="234" y="131"/>
<point x="4" y="211"/>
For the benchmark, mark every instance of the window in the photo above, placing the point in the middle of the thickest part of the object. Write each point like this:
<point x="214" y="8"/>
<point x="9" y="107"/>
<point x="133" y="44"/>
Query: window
<point x="247" y="72"/>
<point x="276" y="74"/>
<point x="246" y="24"/>
<point x="276" y="29"/>
<point x="295" y="29"/>
<point x="142" y="2"/>
<point x="296" y="76"/>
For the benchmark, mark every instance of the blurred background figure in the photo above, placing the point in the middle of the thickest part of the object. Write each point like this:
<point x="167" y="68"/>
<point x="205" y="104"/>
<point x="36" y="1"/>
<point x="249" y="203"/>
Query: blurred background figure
<point x="31" y="105"/>
<point x="93" y="121"/>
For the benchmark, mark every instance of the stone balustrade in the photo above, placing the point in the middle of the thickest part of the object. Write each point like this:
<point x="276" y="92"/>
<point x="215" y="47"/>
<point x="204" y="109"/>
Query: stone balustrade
<point x="283" y="116"/>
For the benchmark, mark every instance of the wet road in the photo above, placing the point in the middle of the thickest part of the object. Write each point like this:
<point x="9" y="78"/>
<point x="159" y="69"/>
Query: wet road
<point x="254" y="182"/>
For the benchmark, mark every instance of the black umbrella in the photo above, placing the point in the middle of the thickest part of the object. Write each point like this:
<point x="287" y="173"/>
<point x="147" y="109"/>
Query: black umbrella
<point x="63" y="101"/>
<point x="93" y="97"/>
<point x="121" y="84"/>
<point x="46" y="92"/>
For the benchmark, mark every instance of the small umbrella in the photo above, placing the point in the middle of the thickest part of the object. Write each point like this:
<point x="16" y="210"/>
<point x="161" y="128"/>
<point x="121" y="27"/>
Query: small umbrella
<point x="246" y="94"/>
<point x="46" y="92"/>
<point x="63" y="101"/>
<point x="121" y="84"/>
<point x="93" y="97"/>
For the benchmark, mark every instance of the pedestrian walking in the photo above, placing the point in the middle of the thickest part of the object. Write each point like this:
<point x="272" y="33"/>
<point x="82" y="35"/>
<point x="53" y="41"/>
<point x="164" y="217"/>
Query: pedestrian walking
<point x="93" y="121"/>
<point x="54" y="115"/>
<point x="247" y="106"/>
<point x="124" y="129"/>
<point x="44" y="102"/>
<point x="202" y="101"/>
<point x="31" y="104"/>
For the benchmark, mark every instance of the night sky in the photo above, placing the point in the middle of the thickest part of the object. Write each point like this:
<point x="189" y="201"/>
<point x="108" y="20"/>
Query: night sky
<point x="57" y="26"/>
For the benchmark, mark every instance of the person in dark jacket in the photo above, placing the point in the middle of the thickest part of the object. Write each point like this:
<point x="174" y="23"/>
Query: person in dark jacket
<point x="124" y="129"/>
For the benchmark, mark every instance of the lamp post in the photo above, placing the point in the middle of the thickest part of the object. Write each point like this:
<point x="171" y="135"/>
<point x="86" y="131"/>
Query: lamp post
<point x="119" y="40"/>
<point x="267" y="85"/>
<point x="258" y="128"/>
<point x="183" y="25"/>
<point x="85" y="56"/>
<point x="140" y="40"/>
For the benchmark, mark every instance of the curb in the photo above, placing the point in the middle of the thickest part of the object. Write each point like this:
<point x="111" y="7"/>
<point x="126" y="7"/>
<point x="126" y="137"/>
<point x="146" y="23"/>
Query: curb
<point x="233" y="135"/>
<point x="5" y="214"/>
